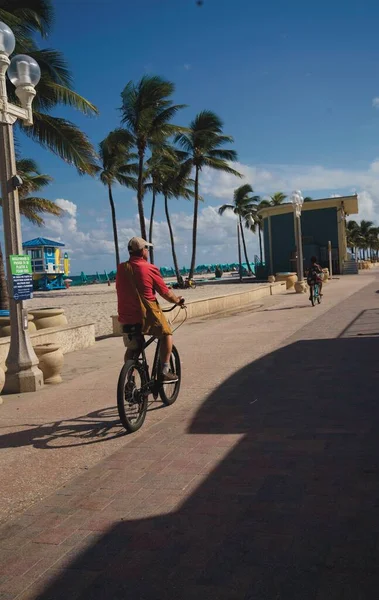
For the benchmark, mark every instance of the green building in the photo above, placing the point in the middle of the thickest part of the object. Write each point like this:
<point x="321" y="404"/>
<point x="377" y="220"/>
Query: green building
<point x="322" y="221"/>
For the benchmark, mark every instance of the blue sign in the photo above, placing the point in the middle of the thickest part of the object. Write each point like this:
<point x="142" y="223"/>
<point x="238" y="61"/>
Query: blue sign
<point x="22" y="287"/>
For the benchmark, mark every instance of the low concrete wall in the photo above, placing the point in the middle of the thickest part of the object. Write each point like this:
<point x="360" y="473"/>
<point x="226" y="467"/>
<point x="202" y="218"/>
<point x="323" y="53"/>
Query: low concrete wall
<point x="69" y="338"/>
<point x="219" y="304"/>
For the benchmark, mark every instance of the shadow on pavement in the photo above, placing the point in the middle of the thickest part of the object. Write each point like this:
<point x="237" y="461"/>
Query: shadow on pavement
<point x="97" y="426"/>
<point x="291" y="512"/>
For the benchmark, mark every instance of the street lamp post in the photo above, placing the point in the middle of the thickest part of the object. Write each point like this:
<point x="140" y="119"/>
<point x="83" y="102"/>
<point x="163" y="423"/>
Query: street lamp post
<point x="297" y="203"/>
<point x="23" y="374"/>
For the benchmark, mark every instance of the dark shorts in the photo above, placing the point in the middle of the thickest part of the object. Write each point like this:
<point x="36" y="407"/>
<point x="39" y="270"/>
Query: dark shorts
<point x="132" y="335"/>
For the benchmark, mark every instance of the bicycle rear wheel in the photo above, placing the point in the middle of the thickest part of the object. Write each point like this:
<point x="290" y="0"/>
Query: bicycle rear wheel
<point x="132" y="396"/>
<point x="312" y="295"/>
<point x="170" y="391"/>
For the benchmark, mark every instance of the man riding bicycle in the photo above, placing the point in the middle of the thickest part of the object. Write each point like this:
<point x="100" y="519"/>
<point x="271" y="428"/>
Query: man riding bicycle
<point x="139" y="313"/>
<point x="315" y="274"/>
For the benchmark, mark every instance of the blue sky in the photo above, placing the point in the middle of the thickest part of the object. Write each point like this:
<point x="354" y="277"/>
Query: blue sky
<point x="294" y="82"/>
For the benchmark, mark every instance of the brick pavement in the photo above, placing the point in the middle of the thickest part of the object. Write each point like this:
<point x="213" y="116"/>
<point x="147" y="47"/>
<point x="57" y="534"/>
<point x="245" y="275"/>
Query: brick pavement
<point x="267" y="490"/>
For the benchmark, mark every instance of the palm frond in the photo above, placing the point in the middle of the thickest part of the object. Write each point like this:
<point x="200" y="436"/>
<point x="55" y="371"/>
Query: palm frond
<point x="130" y="182"/>
<point x="28" y="17"/>
<point x="64" y="139"/>
<point x="40" y="205"/>
<point x="26" y="165"/>
<point x="33" y="183"/>
<point x="222" y="154"/>
<point x="206" y="120"/>
<point x="66" y="96"/>
<point x="220" y="165"/>
<point x="53" y="65"/>
<point x="241" y="194"/>
<point x="165" y="116"/>
<point x="225" y="207"/>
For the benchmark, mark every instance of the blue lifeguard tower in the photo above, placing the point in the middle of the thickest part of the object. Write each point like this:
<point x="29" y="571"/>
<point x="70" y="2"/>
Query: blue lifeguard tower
<point x="48" y="266"/>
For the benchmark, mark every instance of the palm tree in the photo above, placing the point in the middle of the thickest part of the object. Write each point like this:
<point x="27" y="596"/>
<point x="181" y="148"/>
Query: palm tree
<point x="176" y="184"/>
<point x="257" y="224"/>
<point x="202" y="145"/>
<point x="156" y="170"/>
<point x="244" y="207"/>
<point x="31" y="207"/>
<point x="372" y="240"/>
<point x="353" y="237"/>
<point x="147" y="110"/>
<point x="277" y="198"/>
<point x="366" y="230"/>
<point x="116" y="167"/>
<point x="28" y="18"/>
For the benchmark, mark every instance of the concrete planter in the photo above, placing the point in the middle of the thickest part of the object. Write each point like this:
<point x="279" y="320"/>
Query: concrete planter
<point x="50" y="362"/>
<point x="49" y="317"/>
<point x="289" y="278"/>
<point x="5" y="325"/>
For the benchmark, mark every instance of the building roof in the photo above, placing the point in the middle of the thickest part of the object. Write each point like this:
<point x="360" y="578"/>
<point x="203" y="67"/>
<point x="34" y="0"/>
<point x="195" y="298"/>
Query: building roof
<point x="349" y="204"/>
<point x="40" y="242"/>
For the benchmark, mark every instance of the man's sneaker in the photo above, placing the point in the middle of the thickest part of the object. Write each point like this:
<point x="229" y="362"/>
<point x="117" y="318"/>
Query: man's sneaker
<point x="169" y="378"/>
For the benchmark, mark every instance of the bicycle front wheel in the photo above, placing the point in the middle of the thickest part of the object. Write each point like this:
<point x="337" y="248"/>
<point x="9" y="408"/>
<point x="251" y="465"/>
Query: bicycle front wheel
<point x="170" y="391"/>
<point x="132" y="396"/>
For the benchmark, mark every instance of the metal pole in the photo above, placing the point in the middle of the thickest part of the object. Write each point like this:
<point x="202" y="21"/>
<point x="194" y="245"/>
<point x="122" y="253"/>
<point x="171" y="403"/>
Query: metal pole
<point x="23" y="374"/>
<point x="330" y="259"/>
<point x="239" y="250"/>
<point x="300" y="249"/>
<point x="296" y="243"/>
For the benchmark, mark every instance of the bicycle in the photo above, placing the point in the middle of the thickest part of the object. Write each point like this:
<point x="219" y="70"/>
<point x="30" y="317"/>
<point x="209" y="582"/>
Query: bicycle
<point x="315" y="295"/>
<point x="135" y="383"/>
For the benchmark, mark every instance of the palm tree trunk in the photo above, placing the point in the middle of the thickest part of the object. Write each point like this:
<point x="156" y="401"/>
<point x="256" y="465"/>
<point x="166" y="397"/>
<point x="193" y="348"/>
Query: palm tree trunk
<point x="151" y="249"/>
<point x="260" y="244"/>
<point x="194" y="229"/>
<point x="244" y="246"/>
<point x="114" y="225"/>
<point x="4" y="296"/>
<point x="174" y="258"/>
<point x="239" y="251"/>
<point x="141" y="153"/>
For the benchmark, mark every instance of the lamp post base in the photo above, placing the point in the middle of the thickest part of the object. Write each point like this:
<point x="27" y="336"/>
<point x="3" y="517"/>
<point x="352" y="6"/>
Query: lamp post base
<point x="27" y="380"/>
<point x="301" y="287"/>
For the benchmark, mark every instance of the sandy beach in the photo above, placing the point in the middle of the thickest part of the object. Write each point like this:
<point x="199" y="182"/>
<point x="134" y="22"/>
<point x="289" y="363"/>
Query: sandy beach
<point x="97" y="303"/>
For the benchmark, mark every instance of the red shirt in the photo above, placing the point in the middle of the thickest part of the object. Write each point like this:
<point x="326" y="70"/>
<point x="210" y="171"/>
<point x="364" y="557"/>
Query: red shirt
<point x="148" y="280"/>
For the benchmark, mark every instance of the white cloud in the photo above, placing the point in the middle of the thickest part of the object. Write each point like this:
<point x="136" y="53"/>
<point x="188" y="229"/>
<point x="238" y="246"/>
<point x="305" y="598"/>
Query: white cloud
<point x="91" y="244"/>
<point x="314" y="180"/>
<point x="88" y="236"/>
<point x="217" y="237"/>
<point x="68" y="206"/>
<point x="375" y="102"/>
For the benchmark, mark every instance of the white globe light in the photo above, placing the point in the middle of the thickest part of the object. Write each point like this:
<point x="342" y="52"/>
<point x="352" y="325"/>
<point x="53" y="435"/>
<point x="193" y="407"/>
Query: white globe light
<point x="295" y="198"/>
<point x="24" y="70"/>
<point x="7" y="39"/>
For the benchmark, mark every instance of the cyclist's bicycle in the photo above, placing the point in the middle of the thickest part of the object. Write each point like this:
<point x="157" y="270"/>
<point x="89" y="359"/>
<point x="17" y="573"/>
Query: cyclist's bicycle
<point x="135" y="383"/>
<point x="314" y="293"/>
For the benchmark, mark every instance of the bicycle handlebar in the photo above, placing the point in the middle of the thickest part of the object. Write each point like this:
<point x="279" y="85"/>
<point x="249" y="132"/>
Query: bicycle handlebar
<point x="181" y="305"/>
